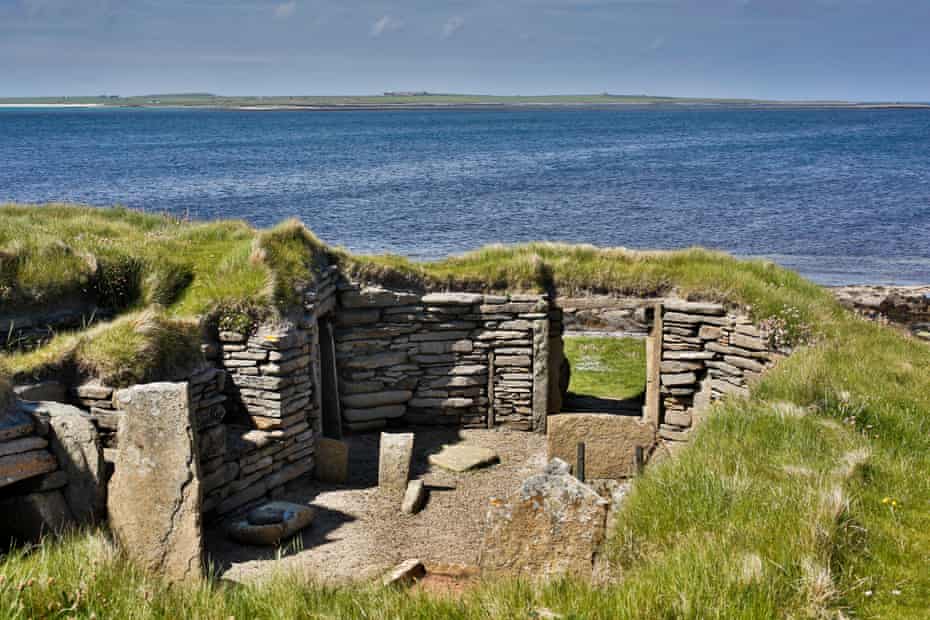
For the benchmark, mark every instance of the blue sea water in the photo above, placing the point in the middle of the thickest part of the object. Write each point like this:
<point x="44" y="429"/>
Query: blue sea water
<point x="843" y="196"/>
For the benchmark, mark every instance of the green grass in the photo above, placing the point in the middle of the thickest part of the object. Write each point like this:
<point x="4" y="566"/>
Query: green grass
<point x="613" y="368"/>
<point x="577" y="269"/>
<point x="136" y="348"/>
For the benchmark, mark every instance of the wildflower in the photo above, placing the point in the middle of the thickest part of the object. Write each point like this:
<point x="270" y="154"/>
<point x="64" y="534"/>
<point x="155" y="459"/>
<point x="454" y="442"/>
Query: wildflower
<point x="896" y="592"/>
<point x="886" y="500"/>
<point x="868" y="593"/>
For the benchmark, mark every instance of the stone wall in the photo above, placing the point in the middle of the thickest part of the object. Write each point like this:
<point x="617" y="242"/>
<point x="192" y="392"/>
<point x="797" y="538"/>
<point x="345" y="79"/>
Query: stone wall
<point x="707" y="353"/>
<point x="273" y="407"/>
<point x="442" y="358"/>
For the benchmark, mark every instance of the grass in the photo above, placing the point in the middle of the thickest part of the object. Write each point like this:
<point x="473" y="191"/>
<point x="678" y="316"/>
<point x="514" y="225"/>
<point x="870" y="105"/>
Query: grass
<point x="568" y="269"/>
<point x="807" y="500"/>
<point x="613" y="368"/>
<point x="136" y="348"/>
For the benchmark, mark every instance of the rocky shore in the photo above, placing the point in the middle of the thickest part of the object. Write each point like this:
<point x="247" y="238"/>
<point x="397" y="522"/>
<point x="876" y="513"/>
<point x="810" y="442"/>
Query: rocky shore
<point x="906" y="306"/>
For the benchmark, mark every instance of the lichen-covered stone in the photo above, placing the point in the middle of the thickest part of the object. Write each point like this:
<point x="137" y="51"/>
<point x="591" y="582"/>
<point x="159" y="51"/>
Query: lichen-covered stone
<point x="395" y="455"/>
<point x="553" y="526"/>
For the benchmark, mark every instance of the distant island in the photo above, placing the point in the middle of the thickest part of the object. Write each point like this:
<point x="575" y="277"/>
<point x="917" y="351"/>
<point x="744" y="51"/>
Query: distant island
<point x="417" y="100"/>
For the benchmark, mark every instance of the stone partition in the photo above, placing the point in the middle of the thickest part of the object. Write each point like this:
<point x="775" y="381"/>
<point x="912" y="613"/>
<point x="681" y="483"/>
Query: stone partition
<point x="463" y="359"/>
<point x="707" y="353"/>
<point x="273" y="407"/>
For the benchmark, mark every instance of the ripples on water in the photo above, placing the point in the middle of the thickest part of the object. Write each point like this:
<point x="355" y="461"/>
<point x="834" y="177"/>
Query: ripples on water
<point x="841" y="195"/>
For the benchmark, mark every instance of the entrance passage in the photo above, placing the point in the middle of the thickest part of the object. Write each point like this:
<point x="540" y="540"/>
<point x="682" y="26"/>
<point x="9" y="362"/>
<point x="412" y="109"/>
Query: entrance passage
<point x="608" y="374"/>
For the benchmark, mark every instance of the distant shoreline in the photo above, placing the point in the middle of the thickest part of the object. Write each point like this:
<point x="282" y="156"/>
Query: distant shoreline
<point x="428" y="101"/>
<point x="469" y="106"/>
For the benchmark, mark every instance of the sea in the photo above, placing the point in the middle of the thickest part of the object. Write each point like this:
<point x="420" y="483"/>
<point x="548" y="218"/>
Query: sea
<point x="840" y="195"/>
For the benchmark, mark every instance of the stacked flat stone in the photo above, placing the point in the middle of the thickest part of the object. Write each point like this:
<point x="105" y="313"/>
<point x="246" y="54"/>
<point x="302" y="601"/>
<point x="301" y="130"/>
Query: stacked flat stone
<point x="24" y="451"/>
<point x="97" y="400"/>
<point x="427" y="359"/>
<point x="32" y="500"/>
<point x="271" y="380"/>
<point x="706" y="354"/>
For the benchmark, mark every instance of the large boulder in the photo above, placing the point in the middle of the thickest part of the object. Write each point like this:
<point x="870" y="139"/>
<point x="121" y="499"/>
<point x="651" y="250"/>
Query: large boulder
<point x="154" y="502"/>
<point x="610" y="442"/>
<point x="554" y="525"/>
<point x="74" y="440"/>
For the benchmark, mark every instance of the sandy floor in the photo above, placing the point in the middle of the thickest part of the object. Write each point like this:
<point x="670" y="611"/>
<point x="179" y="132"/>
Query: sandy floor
<point x="357" y="534"/>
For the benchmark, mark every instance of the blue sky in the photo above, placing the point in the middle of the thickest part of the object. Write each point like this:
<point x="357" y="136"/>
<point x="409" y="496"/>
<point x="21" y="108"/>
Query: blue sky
<point x="812" y="49"/>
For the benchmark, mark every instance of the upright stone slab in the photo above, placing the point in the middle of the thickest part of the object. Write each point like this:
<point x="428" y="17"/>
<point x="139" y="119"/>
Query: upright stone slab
<point x="554" y="525"/>
<point x="540" y="374"/>
<point x="394" y="463"/>
<point x="154" y="502"/>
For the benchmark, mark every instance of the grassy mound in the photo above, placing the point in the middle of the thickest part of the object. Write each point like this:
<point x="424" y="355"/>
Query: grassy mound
<point x="129" y="260"/>
<point x="136" y="348"/>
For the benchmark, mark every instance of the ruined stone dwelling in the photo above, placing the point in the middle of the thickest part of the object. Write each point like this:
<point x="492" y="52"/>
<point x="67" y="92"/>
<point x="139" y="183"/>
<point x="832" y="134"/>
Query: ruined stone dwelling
<point x="359" y="358"/>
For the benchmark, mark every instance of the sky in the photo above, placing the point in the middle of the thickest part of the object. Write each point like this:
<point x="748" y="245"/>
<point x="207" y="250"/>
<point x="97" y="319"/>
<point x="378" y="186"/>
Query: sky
<point x="863" y="50"/>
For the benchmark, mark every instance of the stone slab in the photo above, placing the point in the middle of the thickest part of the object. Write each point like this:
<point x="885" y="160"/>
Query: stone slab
<point x="155" y="495"/>
<point x="414" y="497"/>
<point x="395" y="456"/>
<point x="332" y="460"/>
<point x="463" y="457"/>
<point x="16" y="467"/>
<point x="405" y="573"/>
<point x="610" y="442"/>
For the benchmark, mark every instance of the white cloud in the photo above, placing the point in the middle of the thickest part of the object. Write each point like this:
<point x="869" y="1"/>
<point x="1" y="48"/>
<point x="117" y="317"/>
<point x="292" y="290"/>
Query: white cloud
<point x="453" y="25"/>
<point x="386" y="24"/>
<point x="285" y="9"/>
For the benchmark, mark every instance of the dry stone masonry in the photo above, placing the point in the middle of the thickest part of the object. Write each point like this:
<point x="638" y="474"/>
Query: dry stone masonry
<point x="706" y="354"/>
<point x="442" y="358"/>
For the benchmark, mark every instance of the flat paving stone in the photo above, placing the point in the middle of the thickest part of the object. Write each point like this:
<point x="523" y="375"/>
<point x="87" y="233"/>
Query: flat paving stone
<point x="463" y="457"/>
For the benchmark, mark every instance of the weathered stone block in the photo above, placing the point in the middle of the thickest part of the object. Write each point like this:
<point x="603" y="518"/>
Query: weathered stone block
<point x="15" y="424"/>
<point x="554" y="525"/>
<point x="372" y="297"/>
<point x="693" y="307"/>
<point x="154" y="502"/>
<point x="332" y="460"/>
<point x="610" y="442"/>
<point x="461" y="299"/>
<point x="395" y="455"/>
<point x="414" y="497"/>
<point x="684" y="378"/>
